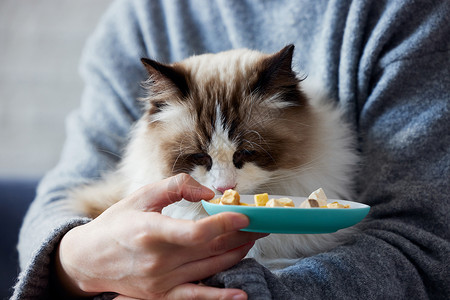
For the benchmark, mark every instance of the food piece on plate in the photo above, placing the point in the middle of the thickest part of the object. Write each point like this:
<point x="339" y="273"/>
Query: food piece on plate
<point x="320" y="196"/>
<point x="287" y="202"/>
<point x="215" y="201"/>
<point x="337" y="205"/>
<point x="273" y="203"/>
<point x="261" y="199"/>
<point x="230" y="197"/>
<point x="308" y="203"/>
<point x="316" y="199"/>
<point x="281" y="202"/>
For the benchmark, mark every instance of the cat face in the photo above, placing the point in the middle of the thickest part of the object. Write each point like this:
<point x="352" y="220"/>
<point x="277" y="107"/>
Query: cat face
<point x="236" y="119"/>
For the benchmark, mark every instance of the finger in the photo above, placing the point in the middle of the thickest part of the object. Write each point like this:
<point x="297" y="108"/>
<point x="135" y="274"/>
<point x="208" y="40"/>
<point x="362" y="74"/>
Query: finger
<point x="189" y="188"/>
<point x="190" y="233"/>
<point x="229" y="241"/>
<point x="195" y="291"/>
<point x="154" y="197"/>
<point x="217" y="246"/>
<point x="213" y="226"/>
<point x="201" y="269"/>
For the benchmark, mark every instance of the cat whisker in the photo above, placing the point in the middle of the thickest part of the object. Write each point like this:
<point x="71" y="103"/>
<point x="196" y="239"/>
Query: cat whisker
<point x="181" y="151"/>
<point x="293" y="173"/>
<point x="110" y="153"/>
<point x="261" y="139"/>
<point x="175" y="162"/>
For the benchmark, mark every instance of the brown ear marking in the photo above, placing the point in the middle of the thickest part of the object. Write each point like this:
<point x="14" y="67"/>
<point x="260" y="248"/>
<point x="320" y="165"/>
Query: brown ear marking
<point x="276" y="68"/>
<point x="282" y="60"/>
<point x="166" y="72"/>
<point x="277" y="75"/>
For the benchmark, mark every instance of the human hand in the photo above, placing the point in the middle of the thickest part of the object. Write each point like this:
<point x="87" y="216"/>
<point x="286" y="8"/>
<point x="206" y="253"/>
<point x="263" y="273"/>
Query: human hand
<point x="133" y="250"/>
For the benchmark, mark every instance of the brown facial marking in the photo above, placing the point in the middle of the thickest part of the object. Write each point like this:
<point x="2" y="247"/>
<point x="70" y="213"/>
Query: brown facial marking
<point x="179" y="154"/>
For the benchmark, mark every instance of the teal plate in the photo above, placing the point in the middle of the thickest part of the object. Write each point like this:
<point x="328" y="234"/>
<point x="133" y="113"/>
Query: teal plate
<point x="294" y="220"/>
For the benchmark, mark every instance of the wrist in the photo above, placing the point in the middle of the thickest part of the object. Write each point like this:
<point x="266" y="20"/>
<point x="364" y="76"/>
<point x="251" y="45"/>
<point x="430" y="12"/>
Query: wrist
<point x="66" y="268"/>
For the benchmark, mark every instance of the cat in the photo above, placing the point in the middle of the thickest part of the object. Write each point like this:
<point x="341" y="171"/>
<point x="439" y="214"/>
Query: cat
<point x="237" y="119"/>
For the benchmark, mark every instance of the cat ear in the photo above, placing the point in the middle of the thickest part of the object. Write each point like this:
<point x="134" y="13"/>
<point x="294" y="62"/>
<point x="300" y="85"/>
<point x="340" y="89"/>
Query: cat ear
<point x="278" y="78"/>
<point x="166" y="75"/>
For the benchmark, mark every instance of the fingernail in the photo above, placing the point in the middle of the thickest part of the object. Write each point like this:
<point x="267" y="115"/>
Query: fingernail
<point x="239" y="297"/>
<point x="240" y="221"/>
<point x="208" y="193"/>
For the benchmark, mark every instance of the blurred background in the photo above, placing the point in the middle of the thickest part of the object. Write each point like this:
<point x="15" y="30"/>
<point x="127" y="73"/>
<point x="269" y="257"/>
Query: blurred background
<point x="40" y="47"/>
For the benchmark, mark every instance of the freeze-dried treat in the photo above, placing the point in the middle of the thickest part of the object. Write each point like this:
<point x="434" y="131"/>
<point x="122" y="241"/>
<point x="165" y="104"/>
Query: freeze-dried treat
<point x="287" y="202"/>
<point x="319" y="196"/>
<point x="273" y="203"/>
<point x="230" y="197"/>
<point x="337" y="205"/>
<point x="319" y="199"/>
<point x="316" y="199"/>
<point x="308" y="203"/>
<point x="261" y="199"/>
<point x="215" y="201"/>
<point x="281" y="202"/>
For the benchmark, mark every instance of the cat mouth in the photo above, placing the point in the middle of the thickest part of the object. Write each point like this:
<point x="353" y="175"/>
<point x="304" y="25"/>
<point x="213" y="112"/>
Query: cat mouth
<point x="222" y="188"/>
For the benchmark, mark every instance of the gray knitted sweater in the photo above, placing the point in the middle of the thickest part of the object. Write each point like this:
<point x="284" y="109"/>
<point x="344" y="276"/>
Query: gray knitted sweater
<point x="386" y="62"/>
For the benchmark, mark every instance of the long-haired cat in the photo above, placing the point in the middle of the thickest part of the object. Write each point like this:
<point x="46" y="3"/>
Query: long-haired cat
<point x="238" y="119"/>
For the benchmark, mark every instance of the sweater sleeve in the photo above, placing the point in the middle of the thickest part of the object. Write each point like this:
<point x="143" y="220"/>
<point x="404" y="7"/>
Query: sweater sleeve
<point x="96" y="134"/>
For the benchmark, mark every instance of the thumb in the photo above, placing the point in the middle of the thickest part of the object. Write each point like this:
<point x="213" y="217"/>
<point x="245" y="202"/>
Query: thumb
<point x="156" y="196"/>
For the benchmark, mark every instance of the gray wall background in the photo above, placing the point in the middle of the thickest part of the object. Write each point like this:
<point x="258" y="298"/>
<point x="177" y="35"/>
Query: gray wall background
<point x="40" y="46"/>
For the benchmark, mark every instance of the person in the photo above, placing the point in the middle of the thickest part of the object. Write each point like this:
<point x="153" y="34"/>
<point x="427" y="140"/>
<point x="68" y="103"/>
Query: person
<point x="387" y="65"/>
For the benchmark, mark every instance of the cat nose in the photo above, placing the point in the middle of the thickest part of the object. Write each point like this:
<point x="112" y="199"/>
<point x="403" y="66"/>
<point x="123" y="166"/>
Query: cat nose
<point x="222" y="189"/>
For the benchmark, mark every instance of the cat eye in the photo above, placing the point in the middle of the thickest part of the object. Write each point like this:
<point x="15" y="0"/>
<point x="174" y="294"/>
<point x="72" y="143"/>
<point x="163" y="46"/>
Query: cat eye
<point x="202" y="159"/>
<point x="242" y="156"/>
